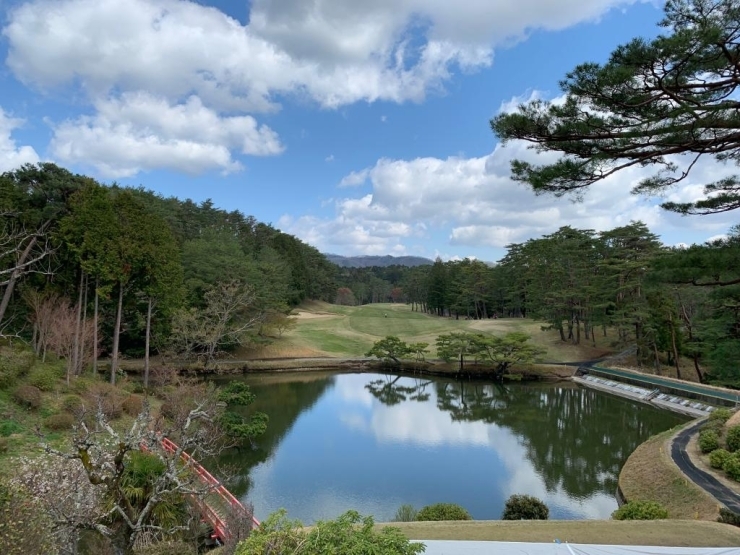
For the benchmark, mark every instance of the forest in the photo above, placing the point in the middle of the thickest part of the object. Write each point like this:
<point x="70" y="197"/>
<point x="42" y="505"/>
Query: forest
<point x="90" y="271"/>
<point x="93" y="272"/>
<point x="664" y="304"/>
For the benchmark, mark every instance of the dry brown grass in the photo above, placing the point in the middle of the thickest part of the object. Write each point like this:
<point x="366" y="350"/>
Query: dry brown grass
<point x="675" y="533"/>
<point x="649" y="474"/>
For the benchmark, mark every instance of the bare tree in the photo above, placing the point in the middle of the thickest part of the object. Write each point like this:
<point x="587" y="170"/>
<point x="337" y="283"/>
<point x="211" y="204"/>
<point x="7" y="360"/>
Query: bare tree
<point x="103" y="458"/>
<point x="21" y="252"/>
<point x="228" y="317"/>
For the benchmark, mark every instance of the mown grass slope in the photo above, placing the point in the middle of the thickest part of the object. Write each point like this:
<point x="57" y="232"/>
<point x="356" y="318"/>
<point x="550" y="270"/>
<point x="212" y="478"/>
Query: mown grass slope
<point x="346" y="332"/>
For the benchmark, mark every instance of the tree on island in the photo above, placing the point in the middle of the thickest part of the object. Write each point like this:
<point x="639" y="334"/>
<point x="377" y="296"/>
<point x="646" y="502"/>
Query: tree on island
<point x="665" y="102"/>
<point x="507" y="350"/>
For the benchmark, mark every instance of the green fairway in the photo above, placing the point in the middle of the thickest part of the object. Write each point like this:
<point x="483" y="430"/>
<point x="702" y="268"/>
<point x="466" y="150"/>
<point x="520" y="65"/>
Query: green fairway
<point x="349" y="331"/>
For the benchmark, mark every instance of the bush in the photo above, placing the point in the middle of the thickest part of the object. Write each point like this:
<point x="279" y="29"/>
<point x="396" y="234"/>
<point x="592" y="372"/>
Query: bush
<point x="81" y="384"/>
<point x="14" y="364"/>
<point x="9" y="427"/>
<point x="525" y="507"/>
<point x="443" y="511"/>
<point x="732" y="467"/>
<point x="720" y="415"/>
<point x="733" y="439"/>
<point x="727" y="516"/>
<point x="718" y="457"/>
<point x="708" y="441"/>
<point x="717" y="426"/>
<point x="28" y="396"/>
<point x="106" y="397"/>
<point x="349" y="533"/>
<point x="4" y="445"/>
<point x="406" y="513"/>
<point x="44" y="377"/>
<point x="61" y="421"/>
<point x="640" y="510"/>
<point x="133" y="404"/>
<point x="73" y="405"/>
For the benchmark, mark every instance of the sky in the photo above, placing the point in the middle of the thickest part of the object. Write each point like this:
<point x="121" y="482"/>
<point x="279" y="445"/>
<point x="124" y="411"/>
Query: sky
<point x="361" y="127"/>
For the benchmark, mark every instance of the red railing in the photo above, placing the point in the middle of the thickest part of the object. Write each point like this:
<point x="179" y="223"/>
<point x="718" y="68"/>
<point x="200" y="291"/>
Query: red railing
<point x="220" y="528"/>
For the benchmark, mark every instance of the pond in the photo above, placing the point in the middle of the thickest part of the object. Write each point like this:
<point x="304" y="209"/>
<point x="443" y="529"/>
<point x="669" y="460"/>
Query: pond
<point x="373" y="442"/>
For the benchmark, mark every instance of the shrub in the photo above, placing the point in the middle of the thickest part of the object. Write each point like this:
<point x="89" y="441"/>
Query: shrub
<point x="525" y="507"/>
<point x="133" y="404"/>
<point x="732" y="467"/>
<point x="9" y="427"/>
<point x="406" y="513"/>
<point x="4" y="445"/>
<point x="720" y="415"/>
<point x="726" y="516"/>
<point x="81" y="384"/>
<point x="44" y="377"/>
<point x="13" y="365"/>
<point x="106" y="397"/>
<point x="718" y="457"/>
<point x="28" y="396"/>
<point x="61" y="421"/>
<point x="733" y="439"/>
<point x="708" y="441"/>
<point x="640" y="510"/>
<point x="443" y="511"/>
<point x="73" y="405"/>
<point x="717" y="426"/>
<point x="349" y="533"/>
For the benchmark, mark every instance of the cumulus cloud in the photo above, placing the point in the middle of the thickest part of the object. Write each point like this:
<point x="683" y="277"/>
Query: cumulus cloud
<point x="332" y="52"/>
<point x="477" y="204"/>
<point x="335" y="51"/>
<point x="11" y="155"/>
<point x="140" y="131"/>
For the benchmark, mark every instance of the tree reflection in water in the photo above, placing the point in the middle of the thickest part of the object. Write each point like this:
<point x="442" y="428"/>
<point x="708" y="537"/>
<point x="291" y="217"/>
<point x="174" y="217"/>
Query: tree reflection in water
<point x="576" y="439"/>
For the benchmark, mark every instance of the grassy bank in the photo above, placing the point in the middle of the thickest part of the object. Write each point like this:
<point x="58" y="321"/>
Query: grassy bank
<point x="676" y="533"/>
<point x="326" y="330"/>
<point x="649" y="474"/>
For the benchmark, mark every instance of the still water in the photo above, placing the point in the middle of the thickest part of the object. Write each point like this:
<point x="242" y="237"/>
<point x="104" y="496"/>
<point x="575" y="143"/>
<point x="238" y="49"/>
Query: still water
<point x="373" y="442"/>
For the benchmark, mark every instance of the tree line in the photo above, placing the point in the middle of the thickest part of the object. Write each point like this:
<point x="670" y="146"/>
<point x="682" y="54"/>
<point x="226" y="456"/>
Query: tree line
<point x="621" y="286"/>
<point x="88" y="270"/>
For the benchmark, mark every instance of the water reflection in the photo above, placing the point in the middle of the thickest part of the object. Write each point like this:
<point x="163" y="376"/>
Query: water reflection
<point x="374" y="442"/>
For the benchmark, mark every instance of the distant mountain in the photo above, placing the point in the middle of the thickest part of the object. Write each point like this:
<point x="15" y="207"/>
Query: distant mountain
<point x="367" y="261"/>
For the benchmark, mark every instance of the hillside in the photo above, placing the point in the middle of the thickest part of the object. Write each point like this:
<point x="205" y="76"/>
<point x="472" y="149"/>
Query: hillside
<point x="383" y="261"/>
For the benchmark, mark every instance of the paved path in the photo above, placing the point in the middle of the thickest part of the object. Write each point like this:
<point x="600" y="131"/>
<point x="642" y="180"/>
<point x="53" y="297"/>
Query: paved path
<point x="722" y="493"/>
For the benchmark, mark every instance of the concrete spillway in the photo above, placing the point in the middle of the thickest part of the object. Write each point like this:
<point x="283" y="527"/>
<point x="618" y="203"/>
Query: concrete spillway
<point x="644" y="395"/>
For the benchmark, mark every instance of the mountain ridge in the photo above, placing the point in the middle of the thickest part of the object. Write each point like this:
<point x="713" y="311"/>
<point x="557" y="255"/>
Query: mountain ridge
<point x="367" y="261"/>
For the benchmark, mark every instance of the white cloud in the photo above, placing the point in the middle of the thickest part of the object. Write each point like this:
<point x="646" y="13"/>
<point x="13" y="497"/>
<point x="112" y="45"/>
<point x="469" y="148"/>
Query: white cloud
<point x="477" y="204"/>
<point x="13" y="156"/>
<point x="333" y="52"/>
<point x="355" y="179"/>
<point x="329" y="158"/>
<point x="139" y="131"/>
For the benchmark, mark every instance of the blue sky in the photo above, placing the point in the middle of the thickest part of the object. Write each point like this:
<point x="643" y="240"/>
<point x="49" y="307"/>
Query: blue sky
<point x="360" y="127"/>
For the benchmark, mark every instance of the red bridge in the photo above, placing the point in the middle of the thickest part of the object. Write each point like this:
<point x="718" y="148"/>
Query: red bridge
<point x="219" y="506"/>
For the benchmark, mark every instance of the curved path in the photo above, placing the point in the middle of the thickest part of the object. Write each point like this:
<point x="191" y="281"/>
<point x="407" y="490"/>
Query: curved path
<point x="706" y="481"/>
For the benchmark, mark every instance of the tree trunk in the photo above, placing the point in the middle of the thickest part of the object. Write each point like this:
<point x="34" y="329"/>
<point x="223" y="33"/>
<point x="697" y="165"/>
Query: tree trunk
<point x="146" y="347"/>
<point x="699" y="373"/>
<point x="84" y="326"/>
<point x="676" y="360"/>
<point x="14" y="278"/>
<point x="95" y="332"/>
<point x="78" y="326"/>
<point x="116" y="336"/>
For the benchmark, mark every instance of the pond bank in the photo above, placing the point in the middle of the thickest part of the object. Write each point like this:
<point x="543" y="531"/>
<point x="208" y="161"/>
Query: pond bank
<point x="528" y="372"/>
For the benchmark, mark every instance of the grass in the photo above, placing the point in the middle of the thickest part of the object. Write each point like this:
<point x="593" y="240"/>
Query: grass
<point x="675" y="533"/>
<point x="348" y="332"/>
<point x="649" y="474"/>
